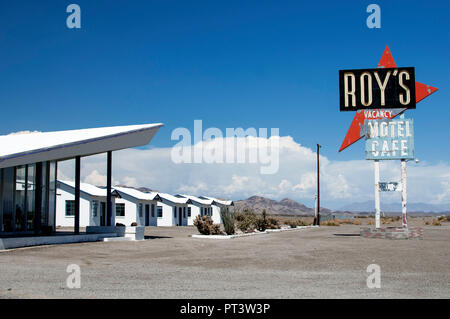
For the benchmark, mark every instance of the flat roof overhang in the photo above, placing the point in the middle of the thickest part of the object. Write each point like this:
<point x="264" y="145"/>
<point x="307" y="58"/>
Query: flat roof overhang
<point x="21" y="149"/>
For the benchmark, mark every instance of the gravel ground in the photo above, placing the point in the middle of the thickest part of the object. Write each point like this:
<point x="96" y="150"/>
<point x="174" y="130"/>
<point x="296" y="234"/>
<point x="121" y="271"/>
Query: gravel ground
<point x="329" y="262"/>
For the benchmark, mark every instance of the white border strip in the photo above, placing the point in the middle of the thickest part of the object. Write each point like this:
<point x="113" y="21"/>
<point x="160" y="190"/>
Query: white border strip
<point x="267" y="231"/>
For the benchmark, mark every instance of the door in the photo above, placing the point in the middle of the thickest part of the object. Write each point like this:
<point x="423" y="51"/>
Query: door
<point x="147" y="215"/>
<point x="180" y="216"/>
<point x="102" y="214"/>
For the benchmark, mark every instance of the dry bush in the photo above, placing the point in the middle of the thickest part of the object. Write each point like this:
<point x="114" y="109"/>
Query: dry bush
<point x="350" y="221"/>
<point x="436" y="222"/>
<point x="245" y="221"/>
<point x="427" y="222"/>
<point x="371" y="222"/>
<point x="205" y="226"/>
<point x="331" y="223"/>
<point x="273" y="223"/>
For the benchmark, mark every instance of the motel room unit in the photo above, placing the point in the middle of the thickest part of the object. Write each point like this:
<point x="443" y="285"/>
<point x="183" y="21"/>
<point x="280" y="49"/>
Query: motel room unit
<point x="134" y="206"/>
<point x="217" y="205"/>
<point x="197" y="206"/>
<point x="92" y="204"/>
<point x="172" y="210"/>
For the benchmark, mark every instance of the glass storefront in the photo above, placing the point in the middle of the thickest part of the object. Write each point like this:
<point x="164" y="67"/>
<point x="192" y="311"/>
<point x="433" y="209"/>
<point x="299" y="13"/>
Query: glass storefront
<point x="24" y="191"/>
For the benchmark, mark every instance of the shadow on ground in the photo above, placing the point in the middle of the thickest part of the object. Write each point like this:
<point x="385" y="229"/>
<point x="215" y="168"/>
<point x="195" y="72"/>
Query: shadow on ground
<point x="156" y="237"/>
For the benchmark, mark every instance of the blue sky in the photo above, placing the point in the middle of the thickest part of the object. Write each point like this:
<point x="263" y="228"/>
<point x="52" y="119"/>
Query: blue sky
<point x="228" y="63"/>
<point x="231" y="64"/>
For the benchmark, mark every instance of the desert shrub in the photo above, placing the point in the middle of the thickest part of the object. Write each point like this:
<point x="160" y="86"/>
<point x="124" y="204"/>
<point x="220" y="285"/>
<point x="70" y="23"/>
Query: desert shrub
<point x="350" y="221"/>
<point x="227" y="220"/>
<point x="436" y="222"/>
<point x="448" y="218"/>
<point x="292" y="223"/>
<point x="427" y="223"/>
<point x="371" y="222"/>
<point x="442" y="218"/>
<point x="245" y="221"/>
<point x="261" y="221"/>
<point x="273" y="223"/>
<point x="134" y="224"/>
<point x="205" y="225"/>
<point x="301" y="222"/>
<point x="331" y="223"/>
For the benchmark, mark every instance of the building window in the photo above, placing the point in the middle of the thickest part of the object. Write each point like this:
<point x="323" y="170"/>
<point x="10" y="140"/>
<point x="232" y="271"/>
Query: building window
<point x="210" y="211"/>
<point x="189" y="212"/>
<point x="120" y="210"/>
<point x="140" y="209"/>
<point x="70" y="208"/>
<point x="94" y="208"/>
<point x="160" y="211"/>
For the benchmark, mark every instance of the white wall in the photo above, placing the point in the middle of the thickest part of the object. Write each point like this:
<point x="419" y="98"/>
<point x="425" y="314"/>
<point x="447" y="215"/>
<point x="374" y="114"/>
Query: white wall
<point x="195" y="211"/>
<point x="216" y="214"/>
<point x="64" y="193"/>
<point x="132" y="211"/>
<point x="168" y="218"/>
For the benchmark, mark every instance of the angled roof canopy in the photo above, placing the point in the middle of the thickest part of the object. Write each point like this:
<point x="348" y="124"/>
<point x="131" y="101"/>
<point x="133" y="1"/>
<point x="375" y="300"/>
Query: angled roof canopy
<point x="20" y="149"/>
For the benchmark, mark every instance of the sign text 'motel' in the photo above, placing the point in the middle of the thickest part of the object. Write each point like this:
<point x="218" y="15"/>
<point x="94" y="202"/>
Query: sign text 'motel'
<point x="389" y="139"/>
<point x="381" y="88"/>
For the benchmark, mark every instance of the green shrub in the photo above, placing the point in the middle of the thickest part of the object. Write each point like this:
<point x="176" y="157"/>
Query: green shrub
<point x="261" y="221"/>
<point x="227" y="220"/>
<point x="245" y="221"/>
<point x="273" y="223"/>
<point x="205" y="226"/>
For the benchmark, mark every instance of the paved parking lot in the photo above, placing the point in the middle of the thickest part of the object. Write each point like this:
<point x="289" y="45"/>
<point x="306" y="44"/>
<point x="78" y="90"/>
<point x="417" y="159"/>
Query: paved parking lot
<point x="329" y="262"/>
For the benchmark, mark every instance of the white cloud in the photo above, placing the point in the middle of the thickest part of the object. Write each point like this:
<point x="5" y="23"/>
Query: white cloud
<point x="342" y="182"/>
<point x="95" y="178"/>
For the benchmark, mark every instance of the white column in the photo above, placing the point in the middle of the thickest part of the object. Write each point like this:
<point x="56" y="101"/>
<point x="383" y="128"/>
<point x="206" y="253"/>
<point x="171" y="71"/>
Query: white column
<point x="404" y="223"/>
<point x="377" y="193"/>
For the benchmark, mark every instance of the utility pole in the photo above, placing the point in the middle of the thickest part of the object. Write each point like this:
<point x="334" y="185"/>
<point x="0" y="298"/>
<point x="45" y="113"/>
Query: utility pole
<point x="317" y="221"/>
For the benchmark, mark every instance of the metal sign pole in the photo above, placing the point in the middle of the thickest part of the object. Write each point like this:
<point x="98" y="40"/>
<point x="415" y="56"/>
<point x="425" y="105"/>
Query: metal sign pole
<point x="377" y="192"/>
<point x="404" y="222"/>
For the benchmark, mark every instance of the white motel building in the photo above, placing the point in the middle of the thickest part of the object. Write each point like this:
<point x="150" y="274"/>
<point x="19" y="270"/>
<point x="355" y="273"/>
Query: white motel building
<point x="134" y="206"/>
<point x="28" y="169"/>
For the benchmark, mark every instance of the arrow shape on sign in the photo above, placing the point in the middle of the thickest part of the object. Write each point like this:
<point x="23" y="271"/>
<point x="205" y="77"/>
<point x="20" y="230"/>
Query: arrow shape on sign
<point x="354" y="132"/>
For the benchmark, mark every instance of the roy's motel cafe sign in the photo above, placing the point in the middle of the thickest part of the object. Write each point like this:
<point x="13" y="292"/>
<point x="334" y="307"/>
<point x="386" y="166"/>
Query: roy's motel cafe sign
<point x="378" y="96"/>
<point x="381" y="88"/>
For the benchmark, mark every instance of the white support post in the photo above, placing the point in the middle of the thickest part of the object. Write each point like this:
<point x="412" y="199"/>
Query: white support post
<point x="315" y="208"/>
<point x="404" y="222"/>
<point x="377" y="193"/>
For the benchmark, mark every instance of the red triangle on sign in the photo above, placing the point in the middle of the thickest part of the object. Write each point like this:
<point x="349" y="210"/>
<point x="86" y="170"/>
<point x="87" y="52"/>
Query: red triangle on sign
<point x="354" y="132"/>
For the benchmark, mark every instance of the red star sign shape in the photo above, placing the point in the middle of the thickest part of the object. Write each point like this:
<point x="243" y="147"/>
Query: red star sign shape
<point x="354" y="132"/>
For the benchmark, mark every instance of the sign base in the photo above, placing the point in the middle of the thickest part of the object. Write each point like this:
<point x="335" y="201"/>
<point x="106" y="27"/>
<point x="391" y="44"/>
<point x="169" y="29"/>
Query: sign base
<point x="392" y="232"/>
